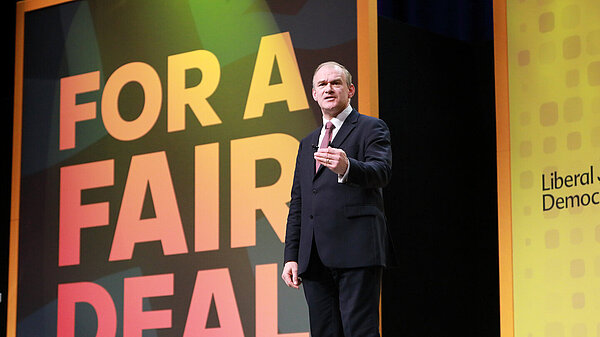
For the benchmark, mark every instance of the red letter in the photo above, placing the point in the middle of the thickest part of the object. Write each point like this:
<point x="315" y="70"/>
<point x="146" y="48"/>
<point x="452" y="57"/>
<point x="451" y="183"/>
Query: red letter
<point x="70" y="111"/>
<point x="213" y="284"/>
<point x="135" y="290"/>
<point x="93" y="294"/>
<point x="73" y="216"/>
<point x="148" y="170"/>
<point x="266" y="303"/>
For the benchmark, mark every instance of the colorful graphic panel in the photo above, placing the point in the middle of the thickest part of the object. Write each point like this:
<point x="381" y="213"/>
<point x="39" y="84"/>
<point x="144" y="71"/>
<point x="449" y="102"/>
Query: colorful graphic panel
<point x="553" y="50"/>
<point x="157" y="149"/>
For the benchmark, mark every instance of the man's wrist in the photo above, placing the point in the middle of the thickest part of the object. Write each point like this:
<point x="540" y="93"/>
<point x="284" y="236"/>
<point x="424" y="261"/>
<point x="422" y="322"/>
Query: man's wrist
<point x="343" y="178"/>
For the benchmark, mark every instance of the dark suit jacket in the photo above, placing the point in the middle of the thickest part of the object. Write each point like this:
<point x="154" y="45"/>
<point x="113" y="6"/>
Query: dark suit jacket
<point x="346" y="220"/>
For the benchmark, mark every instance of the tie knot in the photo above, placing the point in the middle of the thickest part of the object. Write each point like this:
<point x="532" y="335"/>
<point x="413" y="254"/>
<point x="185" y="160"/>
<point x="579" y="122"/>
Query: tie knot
<point x="329" y="126"/>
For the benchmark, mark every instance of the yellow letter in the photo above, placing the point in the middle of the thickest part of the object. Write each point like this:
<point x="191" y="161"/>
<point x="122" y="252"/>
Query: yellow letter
<point x="266" y="303"/>
<point x="178" y="95"/>
<point x="246" y="198"/>
<point x="147" y="77"/>
<point x="277" y="46"/>
<point x="206" y="205"/>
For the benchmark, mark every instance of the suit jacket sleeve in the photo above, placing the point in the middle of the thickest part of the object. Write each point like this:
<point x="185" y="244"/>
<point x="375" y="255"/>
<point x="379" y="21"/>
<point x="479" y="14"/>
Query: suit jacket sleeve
<point x="376" y="169"/>
<point x="292" y="234"/>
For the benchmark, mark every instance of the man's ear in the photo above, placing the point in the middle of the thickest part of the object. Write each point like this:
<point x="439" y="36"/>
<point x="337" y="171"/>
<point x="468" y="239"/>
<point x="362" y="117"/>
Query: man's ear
<point x="351" y="90"/>
<point x="314" y="94"/>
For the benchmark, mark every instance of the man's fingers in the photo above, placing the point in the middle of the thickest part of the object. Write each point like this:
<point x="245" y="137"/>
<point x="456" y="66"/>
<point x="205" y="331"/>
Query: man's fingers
<point x="329" y="150"/>
<point x="333" y="158"/>
<point x="287" y="278"/>
<point x="293" y="282"/>
<point x="328" y="154"/>
<point x="290" y="275"/>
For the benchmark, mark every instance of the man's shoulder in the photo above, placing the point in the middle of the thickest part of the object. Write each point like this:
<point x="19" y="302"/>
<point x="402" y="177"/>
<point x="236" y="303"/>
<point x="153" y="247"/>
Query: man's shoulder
<point x="369" y="120"/>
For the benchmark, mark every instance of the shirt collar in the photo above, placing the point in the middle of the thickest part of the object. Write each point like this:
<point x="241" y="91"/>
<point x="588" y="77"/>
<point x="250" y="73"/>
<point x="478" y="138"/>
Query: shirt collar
<point x="338" y="120"/>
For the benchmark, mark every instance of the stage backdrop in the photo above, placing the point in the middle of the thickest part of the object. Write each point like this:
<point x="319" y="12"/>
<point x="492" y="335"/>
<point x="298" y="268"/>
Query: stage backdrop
<point x="548" y="85"/>
<point x="155" y="144"/>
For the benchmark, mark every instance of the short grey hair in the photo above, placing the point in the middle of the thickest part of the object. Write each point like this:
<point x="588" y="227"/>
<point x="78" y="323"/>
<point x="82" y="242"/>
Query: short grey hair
<point x="334" y="64"/>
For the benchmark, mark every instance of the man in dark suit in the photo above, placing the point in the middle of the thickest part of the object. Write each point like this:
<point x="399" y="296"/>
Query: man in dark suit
<point x="336" y="237"/>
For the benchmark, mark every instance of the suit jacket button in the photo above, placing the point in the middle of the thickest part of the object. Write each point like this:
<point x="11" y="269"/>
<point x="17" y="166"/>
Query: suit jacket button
<point x="311" y="216"/>
<point x="314" y="191"/>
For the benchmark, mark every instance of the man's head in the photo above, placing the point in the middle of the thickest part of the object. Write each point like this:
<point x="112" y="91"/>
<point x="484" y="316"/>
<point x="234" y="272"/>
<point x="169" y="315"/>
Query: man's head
<point x="332" y="88"/>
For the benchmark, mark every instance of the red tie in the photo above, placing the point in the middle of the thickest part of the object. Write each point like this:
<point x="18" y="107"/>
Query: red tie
<point x="326" y="139"/>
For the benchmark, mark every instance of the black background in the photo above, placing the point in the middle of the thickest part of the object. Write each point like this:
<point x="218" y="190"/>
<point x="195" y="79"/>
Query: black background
<point x="436" y="91"/>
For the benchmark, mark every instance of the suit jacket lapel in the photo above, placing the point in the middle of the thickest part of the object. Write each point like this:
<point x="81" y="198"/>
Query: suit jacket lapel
<point x="315" y="145"/>
<point x="345" y="130"/>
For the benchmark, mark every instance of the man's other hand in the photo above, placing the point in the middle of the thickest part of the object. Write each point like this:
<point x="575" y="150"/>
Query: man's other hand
<point x="290" y="274"/>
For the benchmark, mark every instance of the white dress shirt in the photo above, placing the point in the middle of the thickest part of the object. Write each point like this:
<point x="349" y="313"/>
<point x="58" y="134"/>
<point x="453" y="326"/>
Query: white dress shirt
<point x="337" y="121"/>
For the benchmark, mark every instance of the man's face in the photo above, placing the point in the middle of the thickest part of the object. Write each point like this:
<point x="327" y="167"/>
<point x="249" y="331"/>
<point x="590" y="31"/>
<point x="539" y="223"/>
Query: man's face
<point x="331" y="91"/>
